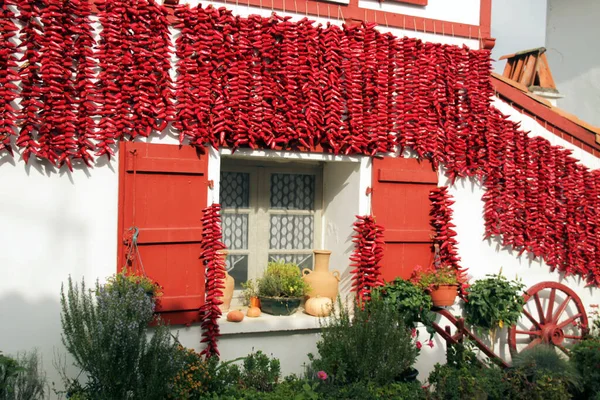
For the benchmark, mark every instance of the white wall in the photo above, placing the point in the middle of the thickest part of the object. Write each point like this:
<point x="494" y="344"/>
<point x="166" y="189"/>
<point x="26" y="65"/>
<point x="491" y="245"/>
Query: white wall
<point x="571" y="39"/>
<point x="517" y="25"/>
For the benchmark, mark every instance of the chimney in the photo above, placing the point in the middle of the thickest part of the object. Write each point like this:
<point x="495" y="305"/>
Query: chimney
<point x="530" y="68"/>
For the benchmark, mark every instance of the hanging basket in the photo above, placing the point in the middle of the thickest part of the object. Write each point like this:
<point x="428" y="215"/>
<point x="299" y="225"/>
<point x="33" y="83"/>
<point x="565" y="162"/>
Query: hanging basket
<point x="444" y="295"/>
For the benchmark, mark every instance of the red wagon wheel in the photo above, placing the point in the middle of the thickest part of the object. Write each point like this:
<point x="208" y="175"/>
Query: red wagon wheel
<point x="553" y="314"/>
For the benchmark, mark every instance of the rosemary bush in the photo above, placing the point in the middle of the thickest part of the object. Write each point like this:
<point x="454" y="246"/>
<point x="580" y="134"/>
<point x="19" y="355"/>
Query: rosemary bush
<point x="107" y="334"/>
<point x="371" y="345"/>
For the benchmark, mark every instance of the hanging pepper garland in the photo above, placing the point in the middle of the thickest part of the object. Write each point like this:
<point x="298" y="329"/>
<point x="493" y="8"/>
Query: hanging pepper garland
<point x="8" y="75"/>
<point x="272" y="83"/>
<point x="368" y="252"/>
<point x="215" y="277"/>
<point x="445" y="236"/>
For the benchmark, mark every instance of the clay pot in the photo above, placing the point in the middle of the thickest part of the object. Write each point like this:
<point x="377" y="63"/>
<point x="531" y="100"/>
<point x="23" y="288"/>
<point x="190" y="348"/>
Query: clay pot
<point x="444" y="295"/>
<point x="254" y="302"/>
<point x="322" y="282"/>
<point x="229" y="286"/>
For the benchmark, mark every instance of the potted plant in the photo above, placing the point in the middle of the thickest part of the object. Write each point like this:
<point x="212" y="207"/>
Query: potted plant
<point x="151" y="288"/>
<point x="494" y="302"/>
<point x="281" y="288"/>
<point x="250" y="294"/>
<point x="440" y="283"/>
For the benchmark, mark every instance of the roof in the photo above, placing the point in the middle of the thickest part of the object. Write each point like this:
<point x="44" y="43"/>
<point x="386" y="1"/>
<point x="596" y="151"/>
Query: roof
<point x="516" y="89"/>
<point x="530" y="68"/>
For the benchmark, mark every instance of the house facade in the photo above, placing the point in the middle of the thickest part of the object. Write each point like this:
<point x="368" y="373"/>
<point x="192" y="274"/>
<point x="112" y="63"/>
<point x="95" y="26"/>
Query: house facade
<point x="283" y="199"/>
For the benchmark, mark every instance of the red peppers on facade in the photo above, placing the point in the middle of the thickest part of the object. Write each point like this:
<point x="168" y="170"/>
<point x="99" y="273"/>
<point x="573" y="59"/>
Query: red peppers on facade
<point x="215" y="278"/>
<point x="368" y="252"/>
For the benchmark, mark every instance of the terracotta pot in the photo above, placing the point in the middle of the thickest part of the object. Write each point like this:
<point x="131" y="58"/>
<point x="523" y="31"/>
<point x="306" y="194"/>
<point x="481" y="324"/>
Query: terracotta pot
<point x="444" y="295"/>
<point x="229" y="286"/>
<point x="254" y="302"/>
<point x="322" y="282"/>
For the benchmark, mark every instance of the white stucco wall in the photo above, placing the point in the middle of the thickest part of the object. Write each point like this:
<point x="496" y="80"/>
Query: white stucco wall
<point x="572" y="32"/>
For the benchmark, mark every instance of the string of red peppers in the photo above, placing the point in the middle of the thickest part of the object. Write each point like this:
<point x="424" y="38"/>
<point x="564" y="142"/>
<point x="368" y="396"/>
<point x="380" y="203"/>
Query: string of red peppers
<point x="272" y="83"/>
<point x="368" y="252"/>
<point x="8" y="75"/>
<point x="441" y="222"/>
<point x="212" y="244"/>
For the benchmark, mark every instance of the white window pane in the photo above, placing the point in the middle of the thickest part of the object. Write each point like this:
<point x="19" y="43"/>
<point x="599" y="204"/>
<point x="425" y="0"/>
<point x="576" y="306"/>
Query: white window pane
<point x="234" y="190"/>
<point x="237" y="267"/>
<point x="235" y="231"/>
<point x="291" y="232"/>
<point x="293" y="191"/>
<point x="302" y="260"/>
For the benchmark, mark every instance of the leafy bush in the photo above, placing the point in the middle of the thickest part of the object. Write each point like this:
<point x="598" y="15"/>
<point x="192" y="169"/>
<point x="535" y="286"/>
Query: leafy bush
<point x="21" y="378"/>
<point x="107" y="334"/>
<point x="282" y="279"/>
<point x="371" y="345"/>
<point x="494" y="302"/>
<point x="412" y="304"/>
<point x="585" y="356"/>
<point x="542" y="362"/>
<point x="117" y="280"/>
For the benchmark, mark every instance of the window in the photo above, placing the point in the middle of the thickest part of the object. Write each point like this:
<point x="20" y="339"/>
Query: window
<point x="269" y="212"/>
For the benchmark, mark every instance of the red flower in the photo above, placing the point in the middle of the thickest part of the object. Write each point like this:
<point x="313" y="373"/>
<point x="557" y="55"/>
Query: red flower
<point x="413" y="332"/>
<point x="322" y="375"/>
<point x="419" y="345"/>
<point x="430" y="343"/>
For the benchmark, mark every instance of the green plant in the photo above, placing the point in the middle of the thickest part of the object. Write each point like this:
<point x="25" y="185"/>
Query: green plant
<point x="411" y="302"/>
<point x="542" y="362"/>
<point x="21" y="378"/>
<point x="585" y="356"/>
<point x="494" y="302"/>
<point x="372" y="344"/>
<point x="106" y="332"/>
<point x="432" y="278"/>
<point x="282" y="279"/>
<point x="594" y="317"/>
<point x="250" y="290"/>
<point x="117" y="280"/>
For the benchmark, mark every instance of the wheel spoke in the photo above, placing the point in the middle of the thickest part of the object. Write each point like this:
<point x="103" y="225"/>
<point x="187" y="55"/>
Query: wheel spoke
<point x="536" y="333"/>
<point x="538" y="305"/>
<point x="563" y="349"/>
<point x="573" y="337"/>
<point x="561" y="309"/>
<point x="533" y="320"/>
<point x="569" y="320"/>
<point x="551" y="304"/>
<point x="533" y="343"/>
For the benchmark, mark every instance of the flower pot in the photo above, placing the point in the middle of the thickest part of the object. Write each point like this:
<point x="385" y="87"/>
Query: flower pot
<point x="279" y="305"/>
<point x="322" y="282"/>
<point x="229" y="286"/>
<point x="254" y="302"/>
<point x="444" y="295"/>
<point x="410" y="375"/>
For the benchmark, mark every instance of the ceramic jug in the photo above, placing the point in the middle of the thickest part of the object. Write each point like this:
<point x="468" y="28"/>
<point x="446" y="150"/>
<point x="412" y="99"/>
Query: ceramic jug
<point x="322" y="282"/>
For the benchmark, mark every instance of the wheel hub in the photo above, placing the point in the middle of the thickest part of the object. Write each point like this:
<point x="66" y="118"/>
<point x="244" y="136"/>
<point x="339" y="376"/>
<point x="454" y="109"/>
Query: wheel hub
<point x="553" y="334"/>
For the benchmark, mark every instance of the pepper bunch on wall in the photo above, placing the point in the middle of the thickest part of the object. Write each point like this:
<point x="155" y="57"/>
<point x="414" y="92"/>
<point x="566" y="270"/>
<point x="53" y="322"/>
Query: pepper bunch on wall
<point x="272" y="83"/>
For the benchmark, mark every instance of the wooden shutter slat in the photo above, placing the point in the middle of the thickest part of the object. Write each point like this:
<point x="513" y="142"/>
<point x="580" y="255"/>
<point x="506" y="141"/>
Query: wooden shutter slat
<point x="407" y="176"/>
<point x="407" y="236"/>
<point x="164" y="165"/>
<point x="170" y="235"/>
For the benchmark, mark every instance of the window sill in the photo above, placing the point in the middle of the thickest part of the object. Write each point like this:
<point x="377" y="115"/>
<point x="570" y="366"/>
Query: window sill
<point x="269" y="323"/>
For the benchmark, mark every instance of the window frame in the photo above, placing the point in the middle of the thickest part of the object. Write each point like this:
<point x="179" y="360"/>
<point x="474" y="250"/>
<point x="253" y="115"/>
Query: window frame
<point x="259" y="210"/>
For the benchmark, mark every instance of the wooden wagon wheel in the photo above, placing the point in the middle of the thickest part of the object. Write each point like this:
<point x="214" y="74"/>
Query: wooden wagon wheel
<point x="557" y="317"/>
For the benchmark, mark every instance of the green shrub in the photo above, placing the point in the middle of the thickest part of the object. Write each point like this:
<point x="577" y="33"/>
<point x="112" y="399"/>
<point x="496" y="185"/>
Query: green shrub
<point x="106" y="332"/>
<point x="412" y="304"/>
<point x="542" y="363"/>
<point x="371" y="345"/>
<point x="585" y="356"/>
<point x="282" y="279"/>
<point x="21" y="378"/>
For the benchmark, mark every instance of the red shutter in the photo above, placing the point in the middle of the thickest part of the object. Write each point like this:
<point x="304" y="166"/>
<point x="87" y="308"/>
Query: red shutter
<point x="401" y="204"/>
<point x="162" y="191"/>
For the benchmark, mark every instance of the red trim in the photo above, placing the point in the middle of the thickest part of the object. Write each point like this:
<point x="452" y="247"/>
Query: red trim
<point x="559" y="125"/>
<point x="353" y="12"/>
<point x="415" y="2"/>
